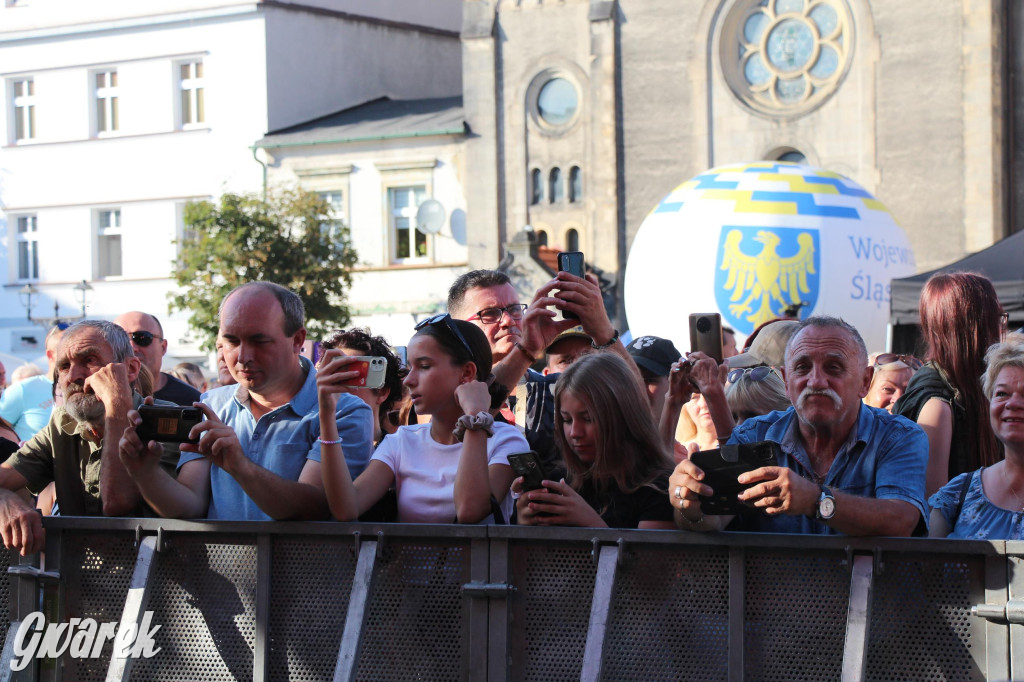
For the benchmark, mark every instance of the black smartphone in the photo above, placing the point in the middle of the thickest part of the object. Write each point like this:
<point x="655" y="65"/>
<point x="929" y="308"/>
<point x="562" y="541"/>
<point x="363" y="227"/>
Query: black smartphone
<point x="706" y="334"/>
<point x="528" y="465"/>
<point x="723" y="465"/>
<point x="571" y="262"/>
<point x="169" y="424"/>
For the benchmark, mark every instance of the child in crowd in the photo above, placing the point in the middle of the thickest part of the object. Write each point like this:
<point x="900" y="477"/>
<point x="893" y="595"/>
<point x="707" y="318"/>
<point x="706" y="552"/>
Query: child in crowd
<point x="617" y="466"/>
<point x="454" y="469"/>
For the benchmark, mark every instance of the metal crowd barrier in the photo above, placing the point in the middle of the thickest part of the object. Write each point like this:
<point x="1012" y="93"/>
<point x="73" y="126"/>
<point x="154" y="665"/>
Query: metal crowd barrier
<point x="322" y="601"/>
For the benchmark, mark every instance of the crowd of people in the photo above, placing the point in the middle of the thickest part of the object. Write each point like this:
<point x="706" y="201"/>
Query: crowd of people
<point x="866" y="443"/>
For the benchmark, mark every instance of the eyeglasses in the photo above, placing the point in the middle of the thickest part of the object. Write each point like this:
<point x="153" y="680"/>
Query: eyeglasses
<point x="143" y="339"/>
<point x="494" y="315"/>
<point x="756" y="373"/>
<point x="449" y="324"/>
<point x="889" y="358"/>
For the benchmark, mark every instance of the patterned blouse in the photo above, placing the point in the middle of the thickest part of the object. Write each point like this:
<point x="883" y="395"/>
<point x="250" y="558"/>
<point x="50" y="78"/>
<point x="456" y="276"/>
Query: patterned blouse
<point x="979" y="518"/>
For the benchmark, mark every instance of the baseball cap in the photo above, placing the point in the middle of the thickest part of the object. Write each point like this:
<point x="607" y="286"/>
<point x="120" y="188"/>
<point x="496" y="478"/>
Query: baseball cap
<point x="768" y="347"/>
<point x="654" y="354"/>
<point x="570" y="333"/>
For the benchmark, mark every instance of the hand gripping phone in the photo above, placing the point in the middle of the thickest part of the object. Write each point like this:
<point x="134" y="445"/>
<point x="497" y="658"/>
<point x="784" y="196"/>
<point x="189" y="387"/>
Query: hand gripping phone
<point x="723" y="465"/>
<point x="528" y="465"/>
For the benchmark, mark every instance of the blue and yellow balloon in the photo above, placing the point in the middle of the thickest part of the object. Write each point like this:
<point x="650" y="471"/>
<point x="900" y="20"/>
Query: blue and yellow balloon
<point x="754" y="239"/>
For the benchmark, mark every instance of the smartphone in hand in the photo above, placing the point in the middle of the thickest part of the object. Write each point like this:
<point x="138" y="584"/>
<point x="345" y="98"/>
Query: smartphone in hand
<point x="571" y="262"/>
<point x="706" y="334"/>
<point x="371" y="371"/>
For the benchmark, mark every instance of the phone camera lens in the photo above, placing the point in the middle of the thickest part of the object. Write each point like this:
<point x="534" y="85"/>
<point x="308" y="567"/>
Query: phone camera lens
<point x="703" y="325"/>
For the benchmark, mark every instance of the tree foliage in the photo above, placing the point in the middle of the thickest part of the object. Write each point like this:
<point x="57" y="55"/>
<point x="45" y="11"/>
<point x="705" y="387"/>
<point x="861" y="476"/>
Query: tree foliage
<point x="291" y="239"/>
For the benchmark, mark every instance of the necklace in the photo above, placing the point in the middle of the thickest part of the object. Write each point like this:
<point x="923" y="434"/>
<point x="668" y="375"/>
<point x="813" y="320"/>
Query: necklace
<point x="1015" y="495"/>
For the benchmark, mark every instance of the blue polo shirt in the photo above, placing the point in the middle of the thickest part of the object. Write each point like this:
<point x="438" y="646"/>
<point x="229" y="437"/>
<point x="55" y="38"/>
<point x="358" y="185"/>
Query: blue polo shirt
<point x="884" y="458"/>
<point x="280" y="441"/>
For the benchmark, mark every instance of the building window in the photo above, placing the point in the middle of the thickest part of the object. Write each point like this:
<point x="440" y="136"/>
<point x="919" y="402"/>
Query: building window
<point x="555" y="186"/>
<point x="408" y="241"/>
<point x="24" y="114"/>
<point x="108" y="243"/>
<point x="542" y="238"/>
<point x="575" y="184"/>
<point x="190" y="83"/>
<point x="792" y="156"/>
<point x="536" y="186"/>
<point x="334" y="221"/>
<point x="106" y="101"/>
<point x="28" y="247"/>
<point x="572" y="240"/>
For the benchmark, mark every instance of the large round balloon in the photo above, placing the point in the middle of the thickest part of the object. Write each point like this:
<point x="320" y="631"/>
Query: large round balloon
<point x="751" y="240"/>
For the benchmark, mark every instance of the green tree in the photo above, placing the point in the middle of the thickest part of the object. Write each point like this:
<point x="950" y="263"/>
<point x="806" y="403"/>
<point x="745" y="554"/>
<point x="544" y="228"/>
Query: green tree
<point x="291" y="238"/>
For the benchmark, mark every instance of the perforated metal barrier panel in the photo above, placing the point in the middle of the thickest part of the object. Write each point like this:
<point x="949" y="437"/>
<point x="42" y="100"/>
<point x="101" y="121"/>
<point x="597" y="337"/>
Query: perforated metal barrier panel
<point x="670" y="601"/>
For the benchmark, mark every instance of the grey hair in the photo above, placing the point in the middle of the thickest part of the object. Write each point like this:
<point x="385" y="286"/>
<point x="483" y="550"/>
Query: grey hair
<point x="829" y="322"/>
<point x="116" y="337"/>
<point x="758" y="397"/>
<point x="1008" y="353"/>
<point x="291" y="304"/>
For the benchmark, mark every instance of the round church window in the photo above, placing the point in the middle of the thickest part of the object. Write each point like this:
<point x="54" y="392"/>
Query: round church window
<point x="786" y="57"/>
<point x="557" y="102"/>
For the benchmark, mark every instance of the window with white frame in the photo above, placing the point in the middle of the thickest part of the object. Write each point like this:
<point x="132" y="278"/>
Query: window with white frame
<point x="407" y="241"/>
<point x="335" y="219"/>
<point x="23" y="100"/>
<point x="190" y="87"/>
<point x="108" y="243"/>
<point x="105" y="94"/>
<point x="27" y="238"/>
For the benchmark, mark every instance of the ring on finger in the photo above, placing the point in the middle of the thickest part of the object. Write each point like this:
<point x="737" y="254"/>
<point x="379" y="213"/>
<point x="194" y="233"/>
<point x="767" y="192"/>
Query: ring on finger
<point x="679" y="492"/>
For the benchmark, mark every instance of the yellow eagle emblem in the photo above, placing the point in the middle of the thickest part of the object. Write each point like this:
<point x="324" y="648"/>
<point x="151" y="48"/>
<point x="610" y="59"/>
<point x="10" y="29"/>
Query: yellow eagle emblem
<point x="767" y="276"/>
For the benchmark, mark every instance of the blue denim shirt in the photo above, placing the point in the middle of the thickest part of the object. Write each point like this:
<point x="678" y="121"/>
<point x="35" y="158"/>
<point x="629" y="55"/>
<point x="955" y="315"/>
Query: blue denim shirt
<point x="884" y="458"/>
<point x="281" y="442"/>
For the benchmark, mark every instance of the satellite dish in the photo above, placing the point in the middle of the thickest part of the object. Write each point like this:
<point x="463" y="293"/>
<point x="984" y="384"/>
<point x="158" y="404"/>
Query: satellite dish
<point x="430" y="216"/>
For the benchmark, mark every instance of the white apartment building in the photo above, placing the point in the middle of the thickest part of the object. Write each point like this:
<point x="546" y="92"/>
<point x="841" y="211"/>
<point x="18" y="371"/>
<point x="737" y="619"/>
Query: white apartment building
<point x="117" y="113"/>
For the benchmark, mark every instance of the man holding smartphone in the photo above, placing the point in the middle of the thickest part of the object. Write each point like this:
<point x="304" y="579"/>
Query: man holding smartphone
<point x="844" y="468"/>
<point x="258" y="455"/>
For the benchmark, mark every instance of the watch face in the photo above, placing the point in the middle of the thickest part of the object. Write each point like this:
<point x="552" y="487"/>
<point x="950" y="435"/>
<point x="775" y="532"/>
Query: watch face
<point x="826" y="508"/>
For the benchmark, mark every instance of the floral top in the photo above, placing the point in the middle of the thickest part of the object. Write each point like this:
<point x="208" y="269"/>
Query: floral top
<point x="979" y="518"/>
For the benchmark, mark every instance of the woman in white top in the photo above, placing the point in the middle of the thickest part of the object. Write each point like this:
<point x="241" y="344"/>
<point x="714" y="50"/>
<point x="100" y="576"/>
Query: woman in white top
<point x="446" y="471"/>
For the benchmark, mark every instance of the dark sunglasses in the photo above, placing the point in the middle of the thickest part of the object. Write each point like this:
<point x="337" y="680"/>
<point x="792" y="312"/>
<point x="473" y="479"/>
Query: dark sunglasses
<point x="494" y="315"/>
<point x="755" y="373"/>
<point x="446" y="320"/>
<point x="143" y="339"/>
<point x="889" y="358"/>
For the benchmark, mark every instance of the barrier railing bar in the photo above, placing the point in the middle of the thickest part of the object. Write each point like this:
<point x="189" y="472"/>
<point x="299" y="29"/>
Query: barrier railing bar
<point x="855" y="651"/>
<point x="737" y="611"/>
<point x="264" y="547"/>
<point x="1015" y="569"/>
<point x="475" y="661"/>
<point x="355" y="620"/>
<point x="8" y="654"/>
<point x="498" y="614"/>
<point x="997" y="652"/>
<point x="134" y="606"/>
<point x="600" y="608"/>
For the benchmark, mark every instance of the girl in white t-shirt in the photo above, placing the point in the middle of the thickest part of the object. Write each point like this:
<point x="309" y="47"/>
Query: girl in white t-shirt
<point x="445" y="471"/>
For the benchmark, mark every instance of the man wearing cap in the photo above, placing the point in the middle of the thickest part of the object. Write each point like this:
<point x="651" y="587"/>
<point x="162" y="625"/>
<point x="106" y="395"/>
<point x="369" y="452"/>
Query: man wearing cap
<point x="654" y="356"/>
<point x="567" y="348"/>
<point x="843" y="467"/>
<point x="767" y="345"/>
<point x="150" y="346"/>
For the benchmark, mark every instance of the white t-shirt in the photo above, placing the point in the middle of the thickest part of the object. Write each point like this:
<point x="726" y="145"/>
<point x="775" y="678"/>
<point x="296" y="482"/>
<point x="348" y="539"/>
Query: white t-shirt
<point x="425" y="470"/>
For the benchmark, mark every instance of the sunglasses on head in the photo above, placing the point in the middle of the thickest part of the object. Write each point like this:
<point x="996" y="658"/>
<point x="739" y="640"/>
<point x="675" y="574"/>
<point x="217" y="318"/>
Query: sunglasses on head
<point x="445" y="320"/>
<point x="143" y="339"/>
<point x="755" y="373"/>
<point x="889" y="358"/>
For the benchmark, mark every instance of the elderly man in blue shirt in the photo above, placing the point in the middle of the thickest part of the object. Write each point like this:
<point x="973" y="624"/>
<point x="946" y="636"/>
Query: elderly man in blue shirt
<point x="845" y="468"/>
<point x="258" y="457"/>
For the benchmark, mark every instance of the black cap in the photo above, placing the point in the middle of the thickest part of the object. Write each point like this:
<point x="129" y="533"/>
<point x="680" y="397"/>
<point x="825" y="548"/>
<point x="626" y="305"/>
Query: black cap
<point x="654" y="354"/>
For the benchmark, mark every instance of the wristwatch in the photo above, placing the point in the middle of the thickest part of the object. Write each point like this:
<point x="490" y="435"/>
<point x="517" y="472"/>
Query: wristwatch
<point x="826" y="505"/>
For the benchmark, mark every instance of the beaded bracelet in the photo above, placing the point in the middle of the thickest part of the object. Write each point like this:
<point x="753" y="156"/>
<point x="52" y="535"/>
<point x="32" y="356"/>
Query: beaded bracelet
<point x="329" y="442"/>
<point x="481" y="421"/>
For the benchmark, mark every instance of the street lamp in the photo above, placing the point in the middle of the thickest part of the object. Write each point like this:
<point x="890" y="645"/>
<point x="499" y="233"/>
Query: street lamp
<point x="28" y="292"/>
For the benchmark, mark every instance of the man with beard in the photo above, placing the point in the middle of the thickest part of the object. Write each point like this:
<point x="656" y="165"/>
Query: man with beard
<point x="96" y="371"/>
<point x="844" y="468"/>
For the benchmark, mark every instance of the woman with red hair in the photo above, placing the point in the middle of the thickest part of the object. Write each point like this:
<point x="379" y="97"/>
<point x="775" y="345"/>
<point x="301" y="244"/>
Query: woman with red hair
<point x="960" y="318"/>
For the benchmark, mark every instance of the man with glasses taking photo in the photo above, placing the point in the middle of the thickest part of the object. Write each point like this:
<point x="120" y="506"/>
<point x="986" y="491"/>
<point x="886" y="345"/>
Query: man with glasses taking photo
<point x="150" y="346"/>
